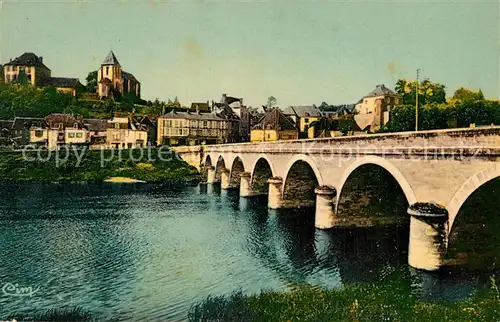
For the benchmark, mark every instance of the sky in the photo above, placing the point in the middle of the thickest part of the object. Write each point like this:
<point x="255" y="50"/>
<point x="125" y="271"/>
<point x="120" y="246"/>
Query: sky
<point x="299" y="52"/>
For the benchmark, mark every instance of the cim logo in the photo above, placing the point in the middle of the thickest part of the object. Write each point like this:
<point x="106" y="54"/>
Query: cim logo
<point x="10" y="289"/>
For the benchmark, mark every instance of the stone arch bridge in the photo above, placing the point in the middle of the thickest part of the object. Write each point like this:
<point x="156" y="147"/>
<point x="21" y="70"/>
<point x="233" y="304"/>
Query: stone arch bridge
<point x="441" y="167"/>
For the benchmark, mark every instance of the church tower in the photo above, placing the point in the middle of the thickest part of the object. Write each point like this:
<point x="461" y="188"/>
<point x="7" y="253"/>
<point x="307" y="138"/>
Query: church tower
<point x="109" y="76"/>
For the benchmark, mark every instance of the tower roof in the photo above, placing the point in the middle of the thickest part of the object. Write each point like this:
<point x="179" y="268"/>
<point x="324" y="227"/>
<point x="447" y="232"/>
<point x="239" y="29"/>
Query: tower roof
<point x="110" y="59"/>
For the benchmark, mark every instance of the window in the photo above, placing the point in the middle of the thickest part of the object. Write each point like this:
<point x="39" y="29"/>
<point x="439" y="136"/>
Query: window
<point x="306" y="120"/>
<point x="71" y="135"/>
<point x="117" y="125"/>
<point x="39" y="133"/>
<point x="79" y="135"/>
<point x="75" y="125"/>
<point x="107" y="70"/>
<point x="60" y="126"/>
<point x="366" y="101"/>
<point x="204" y="124"/>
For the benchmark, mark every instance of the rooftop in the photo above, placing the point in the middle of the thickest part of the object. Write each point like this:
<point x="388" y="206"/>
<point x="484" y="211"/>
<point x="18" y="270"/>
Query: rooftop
<point x="380" y="90"/>
<point x="302" y="110"/>
<point x="192" y="116"/>
<point x="62" y="82"/>
<point x="27" y="59"/>
<point x="110" y="59"/>
<point x="275" y="118"/>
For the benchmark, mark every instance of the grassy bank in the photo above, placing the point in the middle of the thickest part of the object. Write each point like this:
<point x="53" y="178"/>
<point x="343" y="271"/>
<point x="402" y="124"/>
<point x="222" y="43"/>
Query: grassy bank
<point x="393" y="300"/>
<point x="387" y="301"/>
<point x="95" y="166"/>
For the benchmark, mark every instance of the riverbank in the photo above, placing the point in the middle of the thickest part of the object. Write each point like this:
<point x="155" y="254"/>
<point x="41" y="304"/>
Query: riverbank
<point x="149" y="165"/>
<point x="384" y="301"/>
<point x="391" y="301"/>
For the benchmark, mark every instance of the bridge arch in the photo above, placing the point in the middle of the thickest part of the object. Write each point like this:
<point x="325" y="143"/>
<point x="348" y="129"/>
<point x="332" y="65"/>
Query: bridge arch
<point x="472" y="184"/>
<point x="219" y="166"/>
<point x="302" y="177"/>
<point x="208" y="161"/>
<point x="237" y="168"/>
<point x="384" y="164"/>
<point x="262" y="170"/>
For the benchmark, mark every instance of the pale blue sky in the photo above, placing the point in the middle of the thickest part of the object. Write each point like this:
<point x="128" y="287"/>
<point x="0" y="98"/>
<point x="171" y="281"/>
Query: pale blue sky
<point x="300" y="52"/>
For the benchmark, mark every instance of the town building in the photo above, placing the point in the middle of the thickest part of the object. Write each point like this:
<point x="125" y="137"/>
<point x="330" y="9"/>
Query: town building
<point x="237" y="114"/>
<point x="112" y="80"/>
<point x="373" y="110"/>
<point x="62" y="130"/>
<point x="20" y="130"/>
<point x="97" y="131"/>
<point x="126" y="132"/>
<point x="201" y="107"/>
<point x="303" y="116"/>
<point x="192" y="128"/>
<point x="29" y="69"/>
<point x="274" y="126"/>
<point x="333" y="111"/>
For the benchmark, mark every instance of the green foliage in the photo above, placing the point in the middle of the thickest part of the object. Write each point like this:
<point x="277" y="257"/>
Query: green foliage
<point x="70" y="314"/>
<point x="91" y="80"/>
<point x="29" y="101"/>
<point x="95" y="166"/>
<point x="347" y="123"/>
<point x="428" y="92"/>
<point x="465" y="94"/>
<point x="443" y="116"/>
<point x="271" y="101"/>
<point x="392" y="299"/>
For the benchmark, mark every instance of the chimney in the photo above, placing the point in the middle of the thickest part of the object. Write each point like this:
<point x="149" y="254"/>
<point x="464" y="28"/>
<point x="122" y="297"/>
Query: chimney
<point x="224" y="96"/>
<point x="131" y="116"/>
<point x="41" y="59"/>
<point x="115" y="114"/>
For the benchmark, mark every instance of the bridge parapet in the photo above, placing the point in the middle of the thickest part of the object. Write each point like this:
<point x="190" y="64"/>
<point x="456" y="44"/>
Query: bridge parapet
<point x="450" y="139"/>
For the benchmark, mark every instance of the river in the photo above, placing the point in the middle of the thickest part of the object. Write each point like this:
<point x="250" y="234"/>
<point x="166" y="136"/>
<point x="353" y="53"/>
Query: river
<point x="140" y="251"/>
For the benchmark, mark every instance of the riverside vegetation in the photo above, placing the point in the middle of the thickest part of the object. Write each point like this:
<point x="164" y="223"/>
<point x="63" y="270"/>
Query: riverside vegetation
<point x="95" y="166"/>
<point x="388" y="300"/>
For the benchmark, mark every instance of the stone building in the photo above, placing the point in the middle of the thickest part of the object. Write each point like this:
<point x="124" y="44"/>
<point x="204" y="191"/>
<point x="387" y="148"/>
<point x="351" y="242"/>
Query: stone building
<point x="192" y="128"/>
<point x="126" y="132"/>
<point x="111" y="79"/>
<point x="274" y="126"/>
<point x="372" y="111"/>
<point x="303" y="116"/>
<point x="29" y="69"/>
<point x="238" y="115"/>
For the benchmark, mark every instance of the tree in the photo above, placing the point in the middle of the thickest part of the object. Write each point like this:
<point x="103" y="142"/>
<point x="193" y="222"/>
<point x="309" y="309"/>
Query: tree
<point x="465" y="94"/>
<point x="271" y="101"/>
<point x="428" y="92"/>
<point x="91" y="81"/>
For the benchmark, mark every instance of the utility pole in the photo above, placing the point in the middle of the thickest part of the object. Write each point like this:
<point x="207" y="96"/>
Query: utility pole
<point x="416" y="102"/>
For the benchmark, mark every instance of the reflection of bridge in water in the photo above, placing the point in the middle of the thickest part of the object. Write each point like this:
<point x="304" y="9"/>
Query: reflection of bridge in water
<point x="385" y="173"/>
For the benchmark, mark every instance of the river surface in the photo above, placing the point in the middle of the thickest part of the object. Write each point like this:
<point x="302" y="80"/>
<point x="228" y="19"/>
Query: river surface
<point x="148" y="252"/>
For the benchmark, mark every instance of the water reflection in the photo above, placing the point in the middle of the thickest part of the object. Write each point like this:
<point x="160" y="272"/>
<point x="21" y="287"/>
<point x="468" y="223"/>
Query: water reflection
<point x="136" y="252"/>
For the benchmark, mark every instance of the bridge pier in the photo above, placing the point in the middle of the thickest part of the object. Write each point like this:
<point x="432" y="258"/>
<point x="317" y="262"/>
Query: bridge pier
<point x="224" y="181"/>
<point x="275" y="197"/>
<point x="325" y="204"/>
<point x="428" y="239"/>
<point x="246" y="185"/>
<point x="210" y="174"/>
